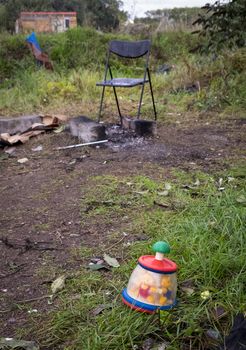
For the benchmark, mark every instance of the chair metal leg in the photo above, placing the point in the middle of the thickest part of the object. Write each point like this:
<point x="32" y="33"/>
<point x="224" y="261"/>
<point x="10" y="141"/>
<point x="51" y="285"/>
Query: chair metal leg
<point x="140" y="102"/>
<point x="153" y="101"/>
<point x="101" y="104"/>
<point x="118" y="106"/>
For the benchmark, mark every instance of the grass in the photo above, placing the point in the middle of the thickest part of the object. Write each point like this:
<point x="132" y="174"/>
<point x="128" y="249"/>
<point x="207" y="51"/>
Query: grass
<point x="204" y="224"/>
<point x="43" y="92"/>
<point x="79" y="65"/>
<point x="206" y="230"/>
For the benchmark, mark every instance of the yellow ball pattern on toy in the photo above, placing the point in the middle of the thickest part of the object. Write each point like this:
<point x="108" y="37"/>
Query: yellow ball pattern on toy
<point x="165" y="282"/>
<point x="164" y="290"/>
<point x="133" y="291"/>
<point x="150" y="299"/>
<point x="162" y="300"/>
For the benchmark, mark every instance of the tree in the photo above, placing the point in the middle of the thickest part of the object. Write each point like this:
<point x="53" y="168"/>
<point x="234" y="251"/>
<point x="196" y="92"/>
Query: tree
<point x="223" y="24"/>
<point x="177" y="16"/>
<point x="14" y="7"/>
<point x="102" y="14"/>
<point x="3" y="20"/>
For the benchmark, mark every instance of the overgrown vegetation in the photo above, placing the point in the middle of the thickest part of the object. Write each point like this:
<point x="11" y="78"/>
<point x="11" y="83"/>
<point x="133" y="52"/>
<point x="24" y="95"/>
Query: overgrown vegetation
<point x="204" y="224"/>
<point x="195" y="81"/>
<point x="223" y="24"/>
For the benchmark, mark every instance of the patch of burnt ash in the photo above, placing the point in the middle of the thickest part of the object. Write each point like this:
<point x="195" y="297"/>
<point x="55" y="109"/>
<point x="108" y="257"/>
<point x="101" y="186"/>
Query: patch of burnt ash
<point x="162" y="149"/>
<point x="120" y="138"/>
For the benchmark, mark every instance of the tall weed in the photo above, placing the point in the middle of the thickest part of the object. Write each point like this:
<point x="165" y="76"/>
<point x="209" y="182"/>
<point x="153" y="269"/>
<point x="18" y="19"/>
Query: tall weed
<point x="78" y="57"/>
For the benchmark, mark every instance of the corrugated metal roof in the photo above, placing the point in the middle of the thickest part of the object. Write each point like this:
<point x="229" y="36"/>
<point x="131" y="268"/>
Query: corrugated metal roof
<point x="49" y="13"/>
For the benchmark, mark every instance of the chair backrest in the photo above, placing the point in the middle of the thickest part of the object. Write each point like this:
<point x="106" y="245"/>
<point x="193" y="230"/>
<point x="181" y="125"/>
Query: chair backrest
<point x="129" y="49"/>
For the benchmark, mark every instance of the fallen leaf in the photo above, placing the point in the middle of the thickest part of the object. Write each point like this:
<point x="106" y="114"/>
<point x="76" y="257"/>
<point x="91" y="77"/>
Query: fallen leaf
<point x="37" y="149"/>
<point x="95" y="267"/>
<point x="178" y="205"/>
<point x="97" y="260"/>
<point x="32" y="311"/>
<point x="188" y="187"/>
<point x="161" y="346"/>
<point x="100" y="262"/>
<point x="187" y="286"/>
<point x="50" y="300"/>
<point x="168" y="186"/>
<point x="22" y="160"/>
<point x="163" y="193"/>
<point x="213" y="334"/>
<point x="141" y="192"/>
<point x="10" y="150"/>
<point x="187" y="290"/>
<point x="188" y="283"/>
<point x="60" y="129"/>
<point x="162" y="205"/>
<point x="58" y="284"/>
<point x="100" y="308"/>
<point x="9" y="343"/>
<point x="111" y="261"/>
<point x="241" y="199"/>
<point x="219" y="312"/>
<point x="197" y="183"/>
<point x="148" y="344"/>
<point x="75" y="297"/>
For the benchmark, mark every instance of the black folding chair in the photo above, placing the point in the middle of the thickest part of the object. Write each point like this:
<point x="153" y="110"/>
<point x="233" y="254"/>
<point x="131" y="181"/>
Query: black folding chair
<point x="132" y="50"/>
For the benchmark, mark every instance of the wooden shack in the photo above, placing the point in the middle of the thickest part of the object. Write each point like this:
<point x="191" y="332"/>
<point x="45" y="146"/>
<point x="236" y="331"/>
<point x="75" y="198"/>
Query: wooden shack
<point x="45" y="22"/>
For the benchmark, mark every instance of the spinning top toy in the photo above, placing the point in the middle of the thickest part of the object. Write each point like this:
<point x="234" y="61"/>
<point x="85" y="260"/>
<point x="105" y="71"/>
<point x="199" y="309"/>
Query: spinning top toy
<point x="153" y="283"/>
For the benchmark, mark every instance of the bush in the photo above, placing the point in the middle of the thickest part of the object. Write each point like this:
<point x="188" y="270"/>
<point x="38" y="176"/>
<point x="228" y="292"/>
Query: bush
<point x="223" y="25"/>
<point x="226" y="82"/>
<point x="14" y="55"/>
<point x="77" y="48"/>
<point x="79" y="58"/>
<point x="82" y="47"/>
<point x="170" y="46"/>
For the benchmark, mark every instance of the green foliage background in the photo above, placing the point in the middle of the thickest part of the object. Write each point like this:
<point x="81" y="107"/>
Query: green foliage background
<point x="224" y="25"/>
<point x="79" y="58"/>
<point x="104" y="15"/>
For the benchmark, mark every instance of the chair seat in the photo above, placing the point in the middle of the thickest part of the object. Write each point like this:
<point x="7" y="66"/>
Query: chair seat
<point x="123" y="82"/>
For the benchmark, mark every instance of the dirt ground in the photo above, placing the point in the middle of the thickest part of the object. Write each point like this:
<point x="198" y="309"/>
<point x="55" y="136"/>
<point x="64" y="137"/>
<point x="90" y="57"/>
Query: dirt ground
<point x="41" y="200"/>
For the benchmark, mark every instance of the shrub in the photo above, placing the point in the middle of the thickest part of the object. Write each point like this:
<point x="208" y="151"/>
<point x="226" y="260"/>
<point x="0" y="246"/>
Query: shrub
<point x="171" y="45"/>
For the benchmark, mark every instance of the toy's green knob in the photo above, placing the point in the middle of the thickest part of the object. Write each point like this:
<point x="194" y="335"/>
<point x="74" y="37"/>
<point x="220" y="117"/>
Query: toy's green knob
<point x="161" y="248"/>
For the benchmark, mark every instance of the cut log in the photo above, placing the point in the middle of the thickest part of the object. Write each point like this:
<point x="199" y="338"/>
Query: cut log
<point x="86" y="129"/>
<point x="139" y="126"/>
<point x="19" y="124"/>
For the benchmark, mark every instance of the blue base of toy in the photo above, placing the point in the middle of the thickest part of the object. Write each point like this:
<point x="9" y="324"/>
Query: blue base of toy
<point x="138" y="305"/>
